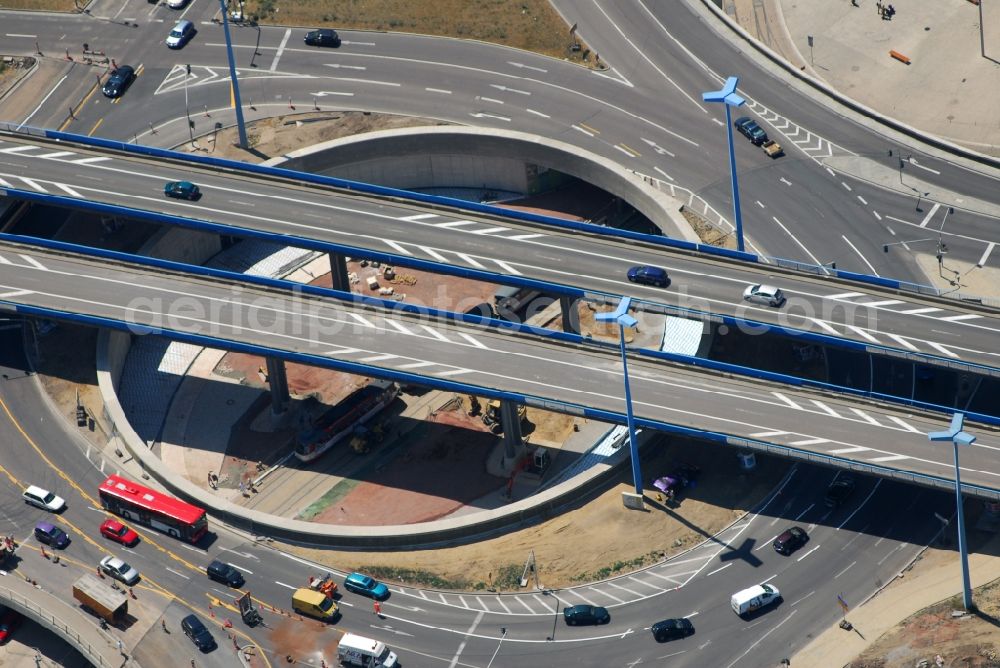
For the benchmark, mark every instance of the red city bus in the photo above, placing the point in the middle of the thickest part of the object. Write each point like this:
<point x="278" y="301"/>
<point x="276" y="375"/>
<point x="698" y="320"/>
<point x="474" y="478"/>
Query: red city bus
<point x="154" y="509"/>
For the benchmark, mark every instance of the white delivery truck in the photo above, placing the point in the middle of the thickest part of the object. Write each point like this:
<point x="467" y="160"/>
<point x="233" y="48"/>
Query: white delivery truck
<point x="754" y="598"/>
<point x="355" y="650"/>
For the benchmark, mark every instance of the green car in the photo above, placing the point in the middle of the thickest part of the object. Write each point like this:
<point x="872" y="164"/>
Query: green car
<point x="182" y="190"/>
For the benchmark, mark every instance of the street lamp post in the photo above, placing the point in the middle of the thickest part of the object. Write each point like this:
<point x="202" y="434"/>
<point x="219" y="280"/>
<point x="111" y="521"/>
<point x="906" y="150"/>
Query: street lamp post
<point x="729" y="98"/>
<point x="503" y="634"/>
<point x="240" y="125"/>
<point x="621" y="317"/>
<point x="957" y="438"/>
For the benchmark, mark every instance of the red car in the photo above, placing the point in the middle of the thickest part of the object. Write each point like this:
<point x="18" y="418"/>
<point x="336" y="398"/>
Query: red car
<point x="9" y="621"/>
<point x="119" y="533"/>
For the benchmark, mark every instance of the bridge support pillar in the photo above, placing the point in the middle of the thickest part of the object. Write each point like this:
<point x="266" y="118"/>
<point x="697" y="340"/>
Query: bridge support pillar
<point x="338" y="272"/>
<point x="277" y="379"/>
<point x="570" y="314"/>
<point x="513" y="442"/>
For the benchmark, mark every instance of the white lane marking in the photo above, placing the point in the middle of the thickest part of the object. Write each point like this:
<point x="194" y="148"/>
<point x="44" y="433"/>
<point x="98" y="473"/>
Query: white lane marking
<point x="89" y="161"/>
<point x="799" y="516"/>
<point x="417" y="365"/>
<point x="33" y="184"/>
<point x="240" y="568"/>
<point x="871" y="267"/>
<point x="543" y="603"/>
<point x="473" y="341"/>
<point x="14" y="293"/>
<point x="862" y="505"/>
<point x="281" y="49"/>
<point x="788" y="401"/>
<point x="905" y="425"/>
<point x="864" y="416"/>
<point x="57" y="154"/>
<point x="807" y="553"/>
<point x="618" y="586"/>
<point x="986" y="254"/>
<point x="475" y="263"/>
<point x="888" y="458"/>
<point x="32" y="261"/>
<point x="489" y="99"/>
<point x="69" y="190"/>
<point x="604" y="593"/>
<point x="456" y="223"/>
<point x="862" y="200"/>
<point x="522" y="66"/>
<point x="810" y="441"/>
<point x="523" y="237"/>
<point x="846" y="186"/>
<point x="846" y="568"/>
<point x="494" y="116"/>
<point x="930" y="214"/>
<point x="537" y="113"/>
<point x="508" y="89"/>
<point x="35" y="111"/>
<point x="397" y="326"/>
<point x="721" y="568"/>
<point x="901" y="341"/>
<point x="884" y="302"/>
<point x="186" y="577"/>
<point x="397" y="247"/>
<point x="438" y="90"/>
<point x="461" y="646"/>
<point x="797" y="601"/>
<point x="14" y="34"/>
<point x="918" y="311"/>
<point x="506" y="267"/>
<point x="862" y="333"/>
<point x="644" y="583"/>
<point x="760" y="205"/>
<point x="665" y="175"/>
<point x="845" y="451"/>
<point x="453" y="372"/>
<point x="877" y="217"/>
<point x="361" y="321"/>
<point x="502" y="604"/>
<point x="18" y="149"/>
<point x="421" y="216"/>
<point x="586" y="132"/>
<point x="767" y="434"/>
<point x="796" y="240"/>
<point x="826" y="409"/>
<point x="825" y="326"/>
<point x="285" y="585"/>
<point x="490" y="230"/>
<point x="379" y="358"/>
<point x="436" y="334"/>
<point x="956" y="318"/>
<point x="525" y="604"/>
<point x="5" y="184"/>
<point x="433" y="253"/>
<point x="761" y="639"/>
<point x="846" y="295"/>
<point x="941" y="349"/>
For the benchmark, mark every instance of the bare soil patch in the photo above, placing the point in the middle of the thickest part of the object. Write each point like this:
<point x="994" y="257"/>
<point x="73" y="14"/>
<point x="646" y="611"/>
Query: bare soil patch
<point x="42" y="5"/>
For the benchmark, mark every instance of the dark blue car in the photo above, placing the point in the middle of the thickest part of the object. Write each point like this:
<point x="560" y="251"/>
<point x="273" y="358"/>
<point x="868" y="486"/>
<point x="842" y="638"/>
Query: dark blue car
<point x="182" y="190"/>
<point x="51" y="535"/>
<point x="649" y="276"/>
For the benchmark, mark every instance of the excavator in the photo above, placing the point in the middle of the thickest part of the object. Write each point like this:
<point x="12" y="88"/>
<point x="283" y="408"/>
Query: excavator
<point x="492" y="414"/>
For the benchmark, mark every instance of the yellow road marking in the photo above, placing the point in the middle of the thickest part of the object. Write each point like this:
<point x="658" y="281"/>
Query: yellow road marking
<point x="631" y="151"/>
<point x="84" y="101"/>
<point x="588" y="128"/>
<point x="96" y="125"/>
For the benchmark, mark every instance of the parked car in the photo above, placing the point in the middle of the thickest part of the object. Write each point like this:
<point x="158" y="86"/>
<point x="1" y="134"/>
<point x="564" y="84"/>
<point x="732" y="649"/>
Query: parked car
<point x="118" y="532"/>
<point x="366" y="585"/>
<point x="749" y="129"/>
<point x="50" y="534"/>
<point x="119" y="570"/>
<point x="181" y="34"/>
<point x="672" y="629"/>
<point x="839" y="490"/>
<point x="9" y="621"/>
<point x="43" y="498"/>
<point x="768" y="295"/>
<point x="681" y="475"/>
<point x="182" y="190"/>
<point x="195" y="629"/>
<point x="322" y="37"/>
<point x="649" y="276"/>
<point x="119" y="81"/>
<point x="176" y="4"/>
<point x="790" y="540"/>
<point x="586" y="614"/>
<point x="224" y="573"/>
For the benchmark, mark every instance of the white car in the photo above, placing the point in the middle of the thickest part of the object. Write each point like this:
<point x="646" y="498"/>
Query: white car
<point x="119" y="570"/>
<point x="768" y="295"/>
<point x="176" y="4"/>
<point x="43" y="498"/>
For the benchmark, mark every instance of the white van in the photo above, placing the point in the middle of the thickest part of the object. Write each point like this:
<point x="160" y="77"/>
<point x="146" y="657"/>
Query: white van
<point x="355" y="650"/>
<point x="754" y="598"/>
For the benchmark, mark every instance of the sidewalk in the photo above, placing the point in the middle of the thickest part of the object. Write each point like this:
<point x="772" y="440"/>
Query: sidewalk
<point x="949" y="89"/>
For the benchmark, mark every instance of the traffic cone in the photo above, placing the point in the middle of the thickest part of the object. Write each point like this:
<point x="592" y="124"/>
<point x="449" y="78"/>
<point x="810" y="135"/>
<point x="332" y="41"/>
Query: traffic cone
<point x="100" y="573"/>
<point x="131" y="593"/>
<point x="210" y="611"/>
<point x="227" y="624"/>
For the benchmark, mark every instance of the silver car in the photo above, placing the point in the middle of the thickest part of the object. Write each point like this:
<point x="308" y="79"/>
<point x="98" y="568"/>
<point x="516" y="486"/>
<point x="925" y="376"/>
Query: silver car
<point x="768" y="295"/>
<point x="119" y="570"/>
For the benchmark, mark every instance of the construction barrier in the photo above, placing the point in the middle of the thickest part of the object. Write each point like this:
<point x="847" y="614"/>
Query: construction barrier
<point x="900" y="57"/>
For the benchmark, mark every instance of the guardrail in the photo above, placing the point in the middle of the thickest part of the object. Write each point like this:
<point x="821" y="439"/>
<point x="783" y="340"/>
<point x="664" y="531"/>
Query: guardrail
<point x="566" y="337"/>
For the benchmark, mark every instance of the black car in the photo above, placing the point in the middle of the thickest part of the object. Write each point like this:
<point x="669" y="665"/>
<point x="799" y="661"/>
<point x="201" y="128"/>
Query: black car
<point x="749" y="129"/>
<point x="224" y="573"/>
<point x="672" y="629"/>
<point x="790" y="540"/>
<point x="322" y="37"/>
<point x="195" y="630"/>
<point x="838" y="491"/>
<point x="649" y="276"/>
<point x="182" y="190"/>
<point x="119" y="81"/>
<point x="586" y="614"/>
